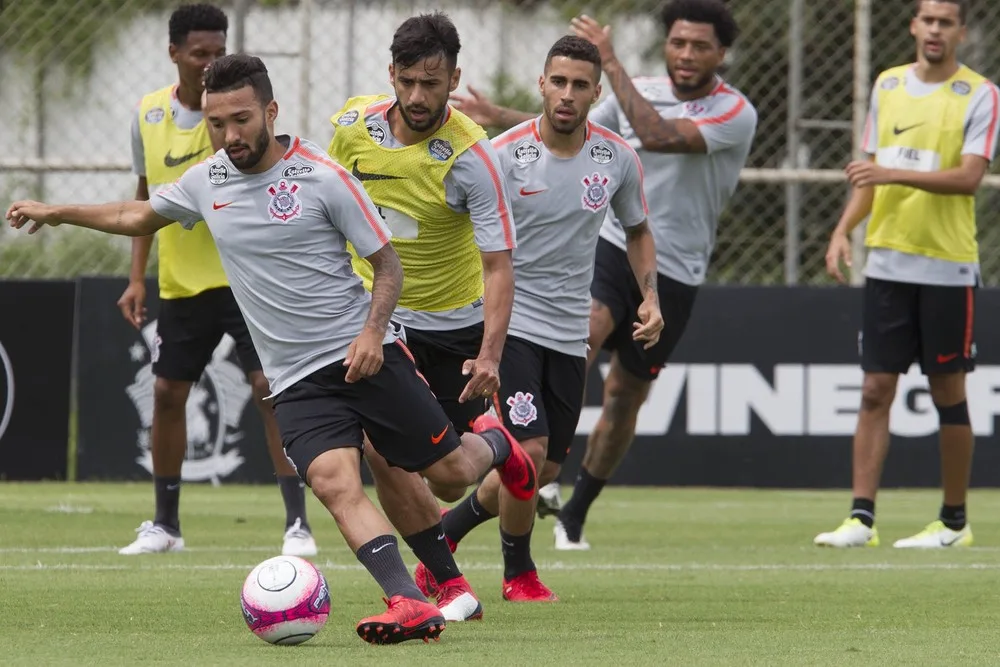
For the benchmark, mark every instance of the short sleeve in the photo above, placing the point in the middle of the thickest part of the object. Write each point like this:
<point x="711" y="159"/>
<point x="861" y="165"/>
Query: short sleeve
<point x="869" y="143"/>
<point x="731" y="123"/>
<point x="981" y="123"/>
<point x="477" y="179"/>
<point x="353" y="212"/>
<point x="629" y="200"/>
<point x="179" y="201"/>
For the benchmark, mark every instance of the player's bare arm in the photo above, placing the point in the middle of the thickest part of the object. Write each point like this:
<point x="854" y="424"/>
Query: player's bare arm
<point x="126" y="218"/>
<point x="133" y="299"/>
<point x="364" y="357"/>
<point x="498" y="300"/>
<point x="656" y="133"/>
<point x="961" y="180"/>
<point x="641" y="252"/>
<point x="859" y="207"/>
<point x="482" y="110"/>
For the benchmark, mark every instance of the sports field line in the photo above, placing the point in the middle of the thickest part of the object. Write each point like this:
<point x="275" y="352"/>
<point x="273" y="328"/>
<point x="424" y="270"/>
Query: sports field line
<point x="204" y="550"/>
<point x="556" y="565"/>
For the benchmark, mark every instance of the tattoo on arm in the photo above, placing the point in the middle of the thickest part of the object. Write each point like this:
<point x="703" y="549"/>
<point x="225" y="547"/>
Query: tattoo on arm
<point x="386" y="287"/>
<point x="655" y="132"/>
<point x="649" y="285"/>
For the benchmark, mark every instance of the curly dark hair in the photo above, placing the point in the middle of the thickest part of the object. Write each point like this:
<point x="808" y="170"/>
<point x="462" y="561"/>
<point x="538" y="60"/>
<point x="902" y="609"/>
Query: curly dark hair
<point x="702" y="11"/>
<point x="425" y="36"/>
<point x="193" y="18"/>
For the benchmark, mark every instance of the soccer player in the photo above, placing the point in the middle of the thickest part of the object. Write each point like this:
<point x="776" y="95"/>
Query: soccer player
<point x="197" y="308"/>
<point x="930" y="137"/>
<point x="437" y="183"/>
<point x="564" y="172"/>
<point x="693" y="133"/>
<point x="282" y="214"/>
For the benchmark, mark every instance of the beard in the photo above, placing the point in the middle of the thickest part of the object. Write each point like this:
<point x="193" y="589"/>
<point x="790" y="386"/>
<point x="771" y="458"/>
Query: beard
<point x="564" y="126"/>
<point x="432" y="118"/>
<point x="254" y="153"/>
<point x="698" y="84"/>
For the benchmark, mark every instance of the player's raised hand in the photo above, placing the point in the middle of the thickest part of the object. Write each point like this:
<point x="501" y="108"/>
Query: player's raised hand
<point x="476" y="106"/>
<point x="839" y="251"/>
<point x="364" y="356"/>
<point x="600" y="36"/>
<point x="22" y="212"/>
<point x="133" y="303"/>
<point x="650" y="323"/>
<point x="485" y="379"/>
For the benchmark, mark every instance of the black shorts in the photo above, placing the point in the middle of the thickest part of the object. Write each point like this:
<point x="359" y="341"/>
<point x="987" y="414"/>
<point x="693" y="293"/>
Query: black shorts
<point x="541" y="394"/>
<point x="189" y="329"/>
<point x="614" y="286"/>
<point x="905" y="322"/>
<point x="439" y="356"/>
<point x="394" y="407"/>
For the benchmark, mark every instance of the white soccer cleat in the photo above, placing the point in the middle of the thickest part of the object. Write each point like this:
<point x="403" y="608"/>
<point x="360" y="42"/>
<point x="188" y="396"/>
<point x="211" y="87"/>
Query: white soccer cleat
<point x="563" y="543"/>
<point x="298" y="542"/>
<point x="851" y="533"/>
<point x="937" y="536"/>
<point x="549" y="500"/>
<point x="152" y="539"/>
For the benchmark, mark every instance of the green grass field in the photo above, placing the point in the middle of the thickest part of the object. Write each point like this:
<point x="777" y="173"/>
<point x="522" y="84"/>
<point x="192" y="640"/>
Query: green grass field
<point x="676" y="577"/>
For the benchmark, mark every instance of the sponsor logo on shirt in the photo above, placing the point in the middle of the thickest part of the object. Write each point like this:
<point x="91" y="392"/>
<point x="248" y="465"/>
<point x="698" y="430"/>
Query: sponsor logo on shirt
<point x="218" y="173"/>
<point x="376" y="132"/>
<point x="296" y="170"/>
<point x="348" y="118"/>
<point x="601" y="153"/>
<point x="961" y="88"/>
<point x="526" y="153"/>
<point x="890" y="83"/>
<point x="440" y="149"/>
<point x="154" y="115"/>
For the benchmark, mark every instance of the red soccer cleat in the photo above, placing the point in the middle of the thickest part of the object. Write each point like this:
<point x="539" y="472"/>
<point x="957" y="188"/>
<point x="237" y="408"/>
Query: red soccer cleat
<point x="425" y="580"/>
<point x="405" y="619"/>
<point x="457" y="602"/>
<point x="518" y="472"/>
<point x="526" y="587"/>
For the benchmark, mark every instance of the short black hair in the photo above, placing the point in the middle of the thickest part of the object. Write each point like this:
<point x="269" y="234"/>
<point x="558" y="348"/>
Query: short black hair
<point x="575" y="48"/>
<point x="425" y="36"/>
<point x="702" y="11"/>
<point x="237" y="70"/>
<point x="193" y="18"/>
<point x="963" y="8"/>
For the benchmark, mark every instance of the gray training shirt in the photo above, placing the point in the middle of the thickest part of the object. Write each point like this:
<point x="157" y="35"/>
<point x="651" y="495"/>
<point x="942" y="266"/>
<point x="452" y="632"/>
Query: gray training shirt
<point x="282" y="237"/>
<point x="687" y="192"/>
<point x="559" y="205"/>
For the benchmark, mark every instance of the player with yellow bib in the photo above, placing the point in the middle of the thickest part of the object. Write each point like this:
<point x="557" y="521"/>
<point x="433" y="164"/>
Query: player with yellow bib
<point x="931" y="135"/>
<point x="437" y="182"/>
<point x="197" y="308"/>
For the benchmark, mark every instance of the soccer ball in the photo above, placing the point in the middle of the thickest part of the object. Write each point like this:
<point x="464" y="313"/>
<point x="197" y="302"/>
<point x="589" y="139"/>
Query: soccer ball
<point x="285" y="600"/>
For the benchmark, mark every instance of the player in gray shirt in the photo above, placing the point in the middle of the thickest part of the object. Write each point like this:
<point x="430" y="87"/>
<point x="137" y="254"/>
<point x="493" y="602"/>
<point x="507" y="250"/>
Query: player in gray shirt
<point x="564" y="172"/>
<point x="693" y="133"/>
<point x="281" y="215"/>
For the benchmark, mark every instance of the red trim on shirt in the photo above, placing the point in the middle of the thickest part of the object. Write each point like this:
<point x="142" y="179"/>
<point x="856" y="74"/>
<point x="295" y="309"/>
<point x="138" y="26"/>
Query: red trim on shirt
<point x="508" y="228"/>
<point x="611" y="136"/>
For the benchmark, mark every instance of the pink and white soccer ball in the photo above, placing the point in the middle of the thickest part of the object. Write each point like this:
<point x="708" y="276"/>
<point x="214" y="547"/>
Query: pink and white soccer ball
<point x="285" y="600"/>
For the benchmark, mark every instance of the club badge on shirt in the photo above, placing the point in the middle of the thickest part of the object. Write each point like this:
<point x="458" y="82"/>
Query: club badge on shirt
<point x="595" y="191"/>
<point x="284" y="204"/>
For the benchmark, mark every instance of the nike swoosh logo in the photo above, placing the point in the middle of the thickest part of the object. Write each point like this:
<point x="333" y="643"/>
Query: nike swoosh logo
<point x="173" y="487"/>
<point x="528" y="193"/>
<point x="171" y="161"/>
<point x="945" y="358"/>
<point x="216" y="205"/>
<point x="362" y="176"/>
<point x="898" y="130"/>
<point x="377" y="549"/>
<point x="435" y="439"/>
<point x="948" y="543"/>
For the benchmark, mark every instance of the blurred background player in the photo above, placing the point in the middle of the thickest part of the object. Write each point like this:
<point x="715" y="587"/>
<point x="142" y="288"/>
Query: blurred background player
<point x="437" y="183"/>
<point x="333" y="359"/>
<point x="197" y="308"/>
<point x="930" y="137"/>
<point x="693" y="134"/>
<point x="563" y="173"/>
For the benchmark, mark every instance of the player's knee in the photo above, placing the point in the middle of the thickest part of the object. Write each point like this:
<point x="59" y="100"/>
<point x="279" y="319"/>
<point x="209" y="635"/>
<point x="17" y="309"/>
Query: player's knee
<point x="953" y="415"/>
<point x="170" y="395"/>
<point x="456" y="470"/>
<point x="447" y="494"/>
<point x="550" y="473"/>
<point x="622" y="401"/>
<point x="334" y="485"/>
<point x="877" y="392"/>
<point x="537" y="449"/>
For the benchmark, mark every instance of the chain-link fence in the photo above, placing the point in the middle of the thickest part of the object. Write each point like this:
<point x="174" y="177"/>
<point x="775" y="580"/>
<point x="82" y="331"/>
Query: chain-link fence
<point x="71" y="72"/>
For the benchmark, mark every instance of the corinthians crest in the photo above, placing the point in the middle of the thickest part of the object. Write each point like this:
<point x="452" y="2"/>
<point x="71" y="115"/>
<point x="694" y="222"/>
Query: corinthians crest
<point x="595" y="191"/>
<point x="284" y="204"/>
<point x="214" y="409"/>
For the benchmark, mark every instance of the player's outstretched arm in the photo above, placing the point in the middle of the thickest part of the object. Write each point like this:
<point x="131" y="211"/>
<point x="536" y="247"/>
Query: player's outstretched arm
<point x="482" y="110"/>
<point x="126" y="218"/>
<point x="641" y="251"/>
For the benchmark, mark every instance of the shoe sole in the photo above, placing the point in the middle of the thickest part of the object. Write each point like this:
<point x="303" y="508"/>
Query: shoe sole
<point x="395" y="633"/>
<point x="554" y="598"/>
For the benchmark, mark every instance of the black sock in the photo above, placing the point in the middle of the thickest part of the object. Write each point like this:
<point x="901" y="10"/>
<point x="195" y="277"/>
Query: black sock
<point x="465" y="516"/>
<point x="432" y="550"/>
<point x="293" y="492"/>
<point x="863" y="510"/>
<point x="953" y="516"/>
<point x="168" y="499"/>
<point x="516" y="554"/>
<point x="498" y="443"/>
<point x="382" y="560"/>
<point x="574" y="513"/>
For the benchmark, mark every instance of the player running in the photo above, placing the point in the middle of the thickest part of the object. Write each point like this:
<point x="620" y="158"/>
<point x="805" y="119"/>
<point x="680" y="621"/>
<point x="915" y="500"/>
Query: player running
<point x="693" y="133"/>
<point x="564" y="172"/>
<point x="197" y="308"/>
<point x="282" y="215"/>
<point x="437" y="183"/>
<point x="930" y="137"/>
